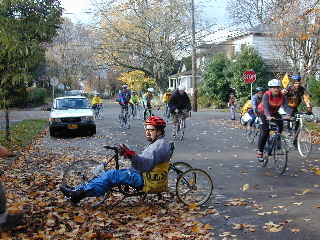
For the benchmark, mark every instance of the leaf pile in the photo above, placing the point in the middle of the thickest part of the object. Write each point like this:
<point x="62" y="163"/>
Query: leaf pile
<point x="32" y="183"/>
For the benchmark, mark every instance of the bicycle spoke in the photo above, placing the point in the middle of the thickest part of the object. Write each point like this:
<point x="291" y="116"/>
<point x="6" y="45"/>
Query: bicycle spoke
<point x="194" y="186"/>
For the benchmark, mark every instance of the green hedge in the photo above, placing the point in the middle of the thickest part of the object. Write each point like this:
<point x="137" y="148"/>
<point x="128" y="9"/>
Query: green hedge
<point x="36" y="96"/>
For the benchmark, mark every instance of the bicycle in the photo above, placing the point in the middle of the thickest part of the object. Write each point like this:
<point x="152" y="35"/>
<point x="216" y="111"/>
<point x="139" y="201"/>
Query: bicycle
<point x="98" y="111"/>
<point x="190" y="185"/>
<point x="179" y="131"/>
<point x="136" y="111"/>
<point x="252" y="132"/>
<point x="147" y="112"/>
<point x="166" y="113"/>
<point x="124" y="116"/>
<point x="302" y="138"/>
<point x="276" y="147"/>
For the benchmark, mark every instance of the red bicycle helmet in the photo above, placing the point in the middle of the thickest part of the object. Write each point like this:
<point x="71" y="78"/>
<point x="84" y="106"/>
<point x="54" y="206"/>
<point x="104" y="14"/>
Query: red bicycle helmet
<point x="155" y="121"/>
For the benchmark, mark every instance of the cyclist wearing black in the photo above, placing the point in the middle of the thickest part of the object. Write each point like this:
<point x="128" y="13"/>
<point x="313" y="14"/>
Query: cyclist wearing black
<point x="179" y="101"/>
<point x="268" y="110"/>
<point x="157" y="152"/>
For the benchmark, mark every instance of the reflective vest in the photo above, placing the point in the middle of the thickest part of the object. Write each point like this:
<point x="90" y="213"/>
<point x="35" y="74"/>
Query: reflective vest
<point x="274" y="103"/>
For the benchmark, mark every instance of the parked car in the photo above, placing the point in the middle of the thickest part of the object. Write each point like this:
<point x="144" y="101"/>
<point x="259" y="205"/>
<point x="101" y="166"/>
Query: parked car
<point x="71" y="113"/>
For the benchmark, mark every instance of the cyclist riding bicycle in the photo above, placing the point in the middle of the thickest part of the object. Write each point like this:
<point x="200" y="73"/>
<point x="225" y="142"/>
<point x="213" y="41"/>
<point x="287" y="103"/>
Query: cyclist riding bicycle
<point x="155" y="156"/>
<point x="165" y="99"/>
<point x="179" y="101"/>
<point x="268" y="110"/>
<point x="255" y="101"/>
<point x="146" y="101"/>
<point x="124" y="95"/>
<point x="295" y="93"/>
<point x="96" y="101"/>
<point x="134" y="100"/>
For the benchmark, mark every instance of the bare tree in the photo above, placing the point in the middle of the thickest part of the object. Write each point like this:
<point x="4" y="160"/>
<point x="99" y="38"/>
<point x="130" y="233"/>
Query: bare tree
<point x="145" y="35"/>
<point x="293" y="24"/>
<point x="72" y="55"/>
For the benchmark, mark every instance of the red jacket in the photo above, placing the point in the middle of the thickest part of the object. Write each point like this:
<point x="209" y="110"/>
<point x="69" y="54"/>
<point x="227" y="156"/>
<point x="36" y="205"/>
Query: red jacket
<point x="274" y="103"/>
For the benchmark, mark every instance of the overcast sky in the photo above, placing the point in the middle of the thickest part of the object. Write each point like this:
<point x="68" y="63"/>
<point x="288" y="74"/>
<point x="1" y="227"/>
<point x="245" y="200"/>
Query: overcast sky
<point x="76" y="9"/>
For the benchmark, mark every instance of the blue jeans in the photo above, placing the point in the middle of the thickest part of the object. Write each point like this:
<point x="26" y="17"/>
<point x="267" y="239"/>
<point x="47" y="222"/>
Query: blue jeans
<point x="253" y="117"/>
<point x="110" y="179"/>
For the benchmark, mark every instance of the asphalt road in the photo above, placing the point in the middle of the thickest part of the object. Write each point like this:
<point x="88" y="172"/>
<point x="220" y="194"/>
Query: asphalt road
<point x="274" y="204"/>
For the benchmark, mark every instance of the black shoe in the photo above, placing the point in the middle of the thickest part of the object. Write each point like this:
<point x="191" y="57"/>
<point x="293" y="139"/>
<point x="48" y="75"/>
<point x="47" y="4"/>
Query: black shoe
<point x="74" y="195"/>
<point x="12" y="221"/>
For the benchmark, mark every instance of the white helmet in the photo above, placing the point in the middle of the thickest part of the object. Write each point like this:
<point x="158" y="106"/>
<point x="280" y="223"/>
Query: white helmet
<point x="150" y="90"/>
<point x="274" y="83"/>
<point x="182" y="87"/>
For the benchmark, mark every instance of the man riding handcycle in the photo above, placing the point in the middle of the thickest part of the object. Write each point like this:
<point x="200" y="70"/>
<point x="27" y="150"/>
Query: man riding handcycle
<point x="148" y="172"/>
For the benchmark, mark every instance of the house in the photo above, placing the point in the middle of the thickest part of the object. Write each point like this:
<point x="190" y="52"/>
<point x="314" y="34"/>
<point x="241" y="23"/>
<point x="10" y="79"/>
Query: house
<point x="230" y="42"/>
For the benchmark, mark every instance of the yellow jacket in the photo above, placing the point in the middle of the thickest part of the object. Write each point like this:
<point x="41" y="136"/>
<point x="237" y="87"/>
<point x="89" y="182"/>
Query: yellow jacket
<point x="166" y="97"/>
<point x="246" y="107"/>
<point x="96" y="100"/>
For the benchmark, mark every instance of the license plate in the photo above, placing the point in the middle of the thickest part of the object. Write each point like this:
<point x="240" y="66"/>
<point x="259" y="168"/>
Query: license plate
<point x="72" y="126"/>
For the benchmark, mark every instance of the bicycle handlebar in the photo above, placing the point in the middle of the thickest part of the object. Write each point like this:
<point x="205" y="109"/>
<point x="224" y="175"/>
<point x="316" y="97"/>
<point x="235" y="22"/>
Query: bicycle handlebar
<point x="112" y="148"/>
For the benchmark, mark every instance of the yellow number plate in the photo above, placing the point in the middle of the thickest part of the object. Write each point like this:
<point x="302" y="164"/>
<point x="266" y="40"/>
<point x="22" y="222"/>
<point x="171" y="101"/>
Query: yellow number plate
<point x="72" y="126"/>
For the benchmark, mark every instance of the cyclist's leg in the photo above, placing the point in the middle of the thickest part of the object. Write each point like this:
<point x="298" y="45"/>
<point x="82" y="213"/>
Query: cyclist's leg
<point x="112" y="178"/>
<point x="174" y="119"/>
<point x="253" y="117"/>
<point x="264" y="133"/>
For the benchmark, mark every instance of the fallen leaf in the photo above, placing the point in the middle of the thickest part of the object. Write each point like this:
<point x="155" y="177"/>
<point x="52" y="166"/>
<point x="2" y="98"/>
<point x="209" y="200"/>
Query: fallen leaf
<point x="305" y="191"/>
<point x="245" y="187"/>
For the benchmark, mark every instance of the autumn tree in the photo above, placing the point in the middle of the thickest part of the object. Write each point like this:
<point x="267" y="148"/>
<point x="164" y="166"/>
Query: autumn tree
<point x="144" y="35"/>
<point x="24" y="26"/>
<point x="137" y="80"/>
<point x="72" y="56"/>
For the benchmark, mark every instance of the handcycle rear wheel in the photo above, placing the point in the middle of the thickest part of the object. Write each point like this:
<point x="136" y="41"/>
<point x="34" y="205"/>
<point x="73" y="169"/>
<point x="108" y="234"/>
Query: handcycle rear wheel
<point x="304" y="141"/>
<point x="173" y="175"/>
<point x="79" y="174"/>
<point x="280" y="154"/>
<point x="194" y="186"/>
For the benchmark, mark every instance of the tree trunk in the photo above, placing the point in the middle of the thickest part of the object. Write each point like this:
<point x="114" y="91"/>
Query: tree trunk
<point x="7" y="133"/>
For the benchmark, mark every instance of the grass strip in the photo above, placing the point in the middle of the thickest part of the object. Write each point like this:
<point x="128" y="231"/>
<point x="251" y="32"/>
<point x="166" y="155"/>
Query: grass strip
<point x="22" y="133"/>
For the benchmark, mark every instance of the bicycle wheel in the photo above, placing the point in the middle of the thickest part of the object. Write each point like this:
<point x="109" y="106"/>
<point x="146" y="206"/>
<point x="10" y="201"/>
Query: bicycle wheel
<point x="121" y="119"/>
<point x="194" y="186"/>
<point x="280" y="154"/>
<point x="251" y="134"/>
<point x="81" y="173"/>
<point x="304" y="141"/>
<point x="126" y="120"/>
<point x="175" y="170"/>
<point x="181" y="128"/>
<point x="138" y="113"/>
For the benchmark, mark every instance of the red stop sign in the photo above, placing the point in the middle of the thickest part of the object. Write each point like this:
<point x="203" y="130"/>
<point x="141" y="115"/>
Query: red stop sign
<point x="249" y="76"/>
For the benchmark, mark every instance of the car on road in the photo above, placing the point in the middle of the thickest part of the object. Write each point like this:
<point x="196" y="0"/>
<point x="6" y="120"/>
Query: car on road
<point x="71" y="114"/>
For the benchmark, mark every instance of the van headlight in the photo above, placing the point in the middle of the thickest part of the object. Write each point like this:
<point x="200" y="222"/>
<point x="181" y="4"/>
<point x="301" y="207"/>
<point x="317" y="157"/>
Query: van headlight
<point x="55" y="120"/>
<point x="87" y="119"/>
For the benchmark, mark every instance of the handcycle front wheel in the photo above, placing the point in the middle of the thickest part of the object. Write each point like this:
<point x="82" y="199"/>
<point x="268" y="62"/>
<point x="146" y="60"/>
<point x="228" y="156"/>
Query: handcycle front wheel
<point x="304" y="141"/>
<point x="194" y="186"/>
<point x="80" y="173"/>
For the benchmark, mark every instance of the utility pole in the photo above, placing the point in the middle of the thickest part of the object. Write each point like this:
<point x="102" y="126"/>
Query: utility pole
<point x="194" y="60"/>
